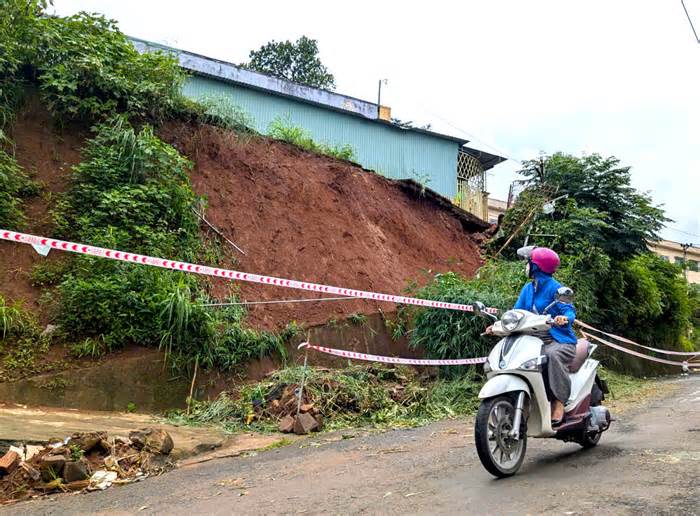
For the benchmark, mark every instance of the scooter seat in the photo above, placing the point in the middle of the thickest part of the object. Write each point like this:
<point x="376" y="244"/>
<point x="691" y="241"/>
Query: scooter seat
<point x="581" y="355"/>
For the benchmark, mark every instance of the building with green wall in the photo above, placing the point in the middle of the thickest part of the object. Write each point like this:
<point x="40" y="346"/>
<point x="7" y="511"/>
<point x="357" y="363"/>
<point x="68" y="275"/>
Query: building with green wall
<point x="443" y="163"/>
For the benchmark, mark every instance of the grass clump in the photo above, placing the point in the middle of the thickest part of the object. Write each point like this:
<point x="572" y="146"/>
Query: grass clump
<point x="351" y="397"/>
<point x="283" y="129"/>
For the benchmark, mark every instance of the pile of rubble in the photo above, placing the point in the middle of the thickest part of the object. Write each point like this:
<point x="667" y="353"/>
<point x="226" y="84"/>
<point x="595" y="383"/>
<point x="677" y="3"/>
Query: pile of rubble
<point x="283" y="404"/>
<point x="84" y="461"/>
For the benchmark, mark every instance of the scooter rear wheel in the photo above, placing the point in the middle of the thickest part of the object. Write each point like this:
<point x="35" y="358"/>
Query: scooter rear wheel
<point x="589" y="439"/>
<point x="498" y="451"/>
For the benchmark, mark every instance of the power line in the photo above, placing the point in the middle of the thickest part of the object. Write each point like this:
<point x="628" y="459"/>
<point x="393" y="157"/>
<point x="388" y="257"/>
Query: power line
<point x="684" y="232"/>
<point x="690" y="21"/>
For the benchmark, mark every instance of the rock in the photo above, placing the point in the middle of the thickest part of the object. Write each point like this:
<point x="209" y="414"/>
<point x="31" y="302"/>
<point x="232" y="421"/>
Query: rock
<point x="153" y="440"/>
<point x="304" y="423"/>
<point x="307" y="407"/>
<point x="78" y="485"/>
<point x="52" y="466"/>
<point x="75" y="470"/>
<point x="286" y="424"/>
<point x="319" y="421"/>
<point x="49" y="330"/>
<point x="88" y="441"/>
<point x="9" y="462"/>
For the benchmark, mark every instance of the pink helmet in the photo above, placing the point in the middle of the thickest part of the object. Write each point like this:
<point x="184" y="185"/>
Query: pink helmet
<point x="546" y="259"/>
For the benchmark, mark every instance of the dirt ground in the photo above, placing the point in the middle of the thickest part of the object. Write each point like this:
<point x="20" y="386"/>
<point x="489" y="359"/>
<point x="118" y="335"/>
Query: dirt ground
<point x="647" y="463"/>
<point x="308" y="217"/>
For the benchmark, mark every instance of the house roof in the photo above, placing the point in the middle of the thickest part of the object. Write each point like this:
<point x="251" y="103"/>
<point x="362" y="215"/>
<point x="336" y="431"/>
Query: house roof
<point x="229" y="72"/>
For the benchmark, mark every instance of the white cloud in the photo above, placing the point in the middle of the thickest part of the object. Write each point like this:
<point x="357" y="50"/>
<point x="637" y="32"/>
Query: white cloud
<point x="598" y="76"/>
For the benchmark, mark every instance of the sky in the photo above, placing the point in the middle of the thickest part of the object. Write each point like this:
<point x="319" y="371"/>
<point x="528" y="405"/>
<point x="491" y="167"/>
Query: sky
<point x="517" y="78"/>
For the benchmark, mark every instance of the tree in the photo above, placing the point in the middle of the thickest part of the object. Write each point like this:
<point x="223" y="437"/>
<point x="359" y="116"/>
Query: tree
<point x="295" y="61"/>
<point x="601" y="206"/>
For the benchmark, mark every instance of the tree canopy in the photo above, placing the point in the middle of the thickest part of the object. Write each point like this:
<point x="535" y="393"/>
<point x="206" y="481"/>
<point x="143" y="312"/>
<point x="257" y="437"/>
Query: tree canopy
<point x="295" y="61"/>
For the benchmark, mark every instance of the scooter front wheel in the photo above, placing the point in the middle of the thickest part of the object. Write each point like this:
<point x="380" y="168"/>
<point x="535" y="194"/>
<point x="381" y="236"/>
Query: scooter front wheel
<point x="499" y="452"/>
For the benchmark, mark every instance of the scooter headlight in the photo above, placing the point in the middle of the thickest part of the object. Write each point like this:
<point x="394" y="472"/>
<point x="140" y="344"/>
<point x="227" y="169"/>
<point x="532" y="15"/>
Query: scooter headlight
<point x="511" y="320"/>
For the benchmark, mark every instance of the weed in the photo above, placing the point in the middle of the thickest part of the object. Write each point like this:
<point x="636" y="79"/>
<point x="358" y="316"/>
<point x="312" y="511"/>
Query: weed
<point x="50" y="272"/>
<point x="283" y="129"/>
<point x="89" y="348"/>
<point x="75" y="452"/>
<point x="131" y="407"/>
<point x="58" y="384"/>
<point x="218" y="110"/>
<point x="277" y="444"/>
<point x="358" y="319"/>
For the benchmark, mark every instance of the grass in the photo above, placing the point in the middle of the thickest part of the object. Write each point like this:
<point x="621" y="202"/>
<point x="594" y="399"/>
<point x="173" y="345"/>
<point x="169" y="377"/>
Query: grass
<point x="283" y="129"/>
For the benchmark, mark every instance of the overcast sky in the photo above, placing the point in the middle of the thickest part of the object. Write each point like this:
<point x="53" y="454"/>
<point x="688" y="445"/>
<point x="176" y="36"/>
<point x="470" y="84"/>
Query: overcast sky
<point x="521" y="77"/>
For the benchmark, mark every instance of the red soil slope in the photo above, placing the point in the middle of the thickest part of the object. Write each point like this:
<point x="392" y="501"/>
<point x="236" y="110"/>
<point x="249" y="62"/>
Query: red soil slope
<point x="47" y="155"/>
<point x="308" y="217"/>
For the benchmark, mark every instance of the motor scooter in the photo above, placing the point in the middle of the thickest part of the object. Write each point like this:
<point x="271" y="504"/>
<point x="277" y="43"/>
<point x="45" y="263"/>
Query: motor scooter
<point x="515" y="401"/>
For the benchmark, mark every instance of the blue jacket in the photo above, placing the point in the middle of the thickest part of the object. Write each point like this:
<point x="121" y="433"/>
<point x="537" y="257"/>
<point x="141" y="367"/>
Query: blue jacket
<point x="540" y="293"/>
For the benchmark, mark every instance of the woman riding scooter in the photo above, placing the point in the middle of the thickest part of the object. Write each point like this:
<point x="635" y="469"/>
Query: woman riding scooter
<point x="540" y="296"/>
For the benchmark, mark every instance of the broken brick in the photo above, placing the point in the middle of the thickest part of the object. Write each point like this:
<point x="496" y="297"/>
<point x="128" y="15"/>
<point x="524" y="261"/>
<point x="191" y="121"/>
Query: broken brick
<point x="304" y="423"/>
<point x="52" y="466"/>
<point x="286" y="424"/>
<point x="9" y="462"/>
<point x="306" y="407"/>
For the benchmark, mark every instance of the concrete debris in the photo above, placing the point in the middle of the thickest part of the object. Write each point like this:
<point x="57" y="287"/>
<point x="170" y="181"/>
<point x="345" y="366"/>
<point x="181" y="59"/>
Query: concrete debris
<point x="75" y="470"/>
<point x="153" y="440"/>
<point x="85" y="461"/>
<point x="101" y="480"/>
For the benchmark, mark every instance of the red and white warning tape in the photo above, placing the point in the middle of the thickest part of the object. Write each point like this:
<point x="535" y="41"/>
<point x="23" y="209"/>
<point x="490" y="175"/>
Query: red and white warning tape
<point x="393" y="360"/>
<point x="627" y="341"/>
<point x="112" y="254"/>
<point x="637" y="353"/>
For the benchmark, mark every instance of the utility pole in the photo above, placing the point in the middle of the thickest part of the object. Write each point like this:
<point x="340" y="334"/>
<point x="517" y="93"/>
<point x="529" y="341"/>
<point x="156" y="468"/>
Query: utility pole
<point x="685" y="259"/>
<point x="379" y="96"/>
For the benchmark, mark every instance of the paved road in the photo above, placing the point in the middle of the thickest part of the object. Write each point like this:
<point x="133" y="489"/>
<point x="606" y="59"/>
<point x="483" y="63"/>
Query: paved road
<point x="648" y="463"/>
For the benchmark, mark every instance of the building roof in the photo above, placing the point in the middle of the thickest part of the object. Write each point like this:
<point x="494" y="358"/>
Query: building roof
<point x="229" y="72"/>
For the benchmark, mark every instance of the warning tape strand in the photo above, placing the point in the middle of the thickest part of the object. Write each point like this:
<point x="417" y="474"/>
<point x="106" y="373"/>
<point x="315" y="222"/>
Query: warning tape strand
<point x="140" y="259"/>
<point x="628" y="341"/>
<point x="394" y="360"/>
<point x="637" y="353"/>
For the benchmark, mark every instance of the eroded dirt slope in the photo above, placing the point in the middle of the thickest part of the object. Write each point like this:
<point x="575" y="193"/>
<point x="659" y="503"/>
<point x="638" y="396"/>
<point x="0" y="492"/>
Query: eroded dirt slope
<point x="307" y="217"/>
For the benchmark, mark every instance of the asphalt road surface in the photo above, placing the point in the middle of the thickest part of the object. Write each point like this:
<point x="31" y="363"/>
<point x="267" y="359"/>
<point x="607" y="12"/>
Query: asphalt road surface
<point x="647" y="463"/>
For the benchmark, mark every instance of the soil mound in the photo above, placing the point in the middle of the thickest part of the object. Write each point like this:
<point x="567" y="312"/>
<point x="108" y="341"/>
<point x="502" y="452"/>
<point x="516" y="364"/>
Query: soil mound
<point x="308" y="217"/>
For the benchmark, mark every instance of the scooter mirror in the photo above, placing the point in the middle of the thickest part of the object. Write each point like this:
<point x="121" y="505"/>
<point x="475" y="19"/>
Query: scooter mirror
<point x="479" y="307"/>
<point x="565" y="294"/>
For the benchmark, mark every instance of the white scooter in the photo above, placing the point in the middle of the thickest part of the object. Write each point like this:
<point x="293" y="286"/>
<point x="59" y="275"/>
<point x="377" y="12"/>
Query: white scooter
<point x="514" y="401"/>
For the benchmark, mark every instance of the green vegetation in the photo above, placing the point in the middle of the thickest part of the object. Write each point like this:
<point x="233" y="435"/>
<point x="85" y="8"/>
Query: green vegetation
<point x="218" y="110"/>
<point x="350" y="397"/>
<point x="131" y="191"/>
<point x="283" y="129"/>
<point x="14" y="187"/>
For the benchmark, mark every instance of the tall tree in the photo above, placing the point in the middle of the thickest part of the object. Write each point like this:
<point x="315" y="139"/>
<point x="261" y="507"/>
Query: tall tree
<point x="295" y="61"/>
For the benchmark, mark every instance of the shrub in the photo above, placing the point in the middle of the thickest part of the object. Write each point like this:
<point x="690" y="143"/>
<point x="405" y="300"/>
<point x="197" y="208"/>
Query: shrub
<point x="283" y="129"/>
<point x="14" y="186"/>
<point x="455" y="334"/>
<point x="88" y="70"/>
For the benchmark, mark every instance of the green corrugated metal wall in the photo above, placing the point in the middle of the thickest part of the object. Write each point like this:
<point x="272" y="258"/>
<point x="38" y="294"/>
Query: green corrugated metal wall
<point x="390" y="151"/>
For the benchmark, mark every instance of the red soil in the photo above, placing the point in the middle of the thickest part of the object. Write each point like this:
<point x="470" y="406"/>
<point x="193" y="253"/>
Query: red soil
<point x="307" y="217"/>
<point x="47" y="155"/>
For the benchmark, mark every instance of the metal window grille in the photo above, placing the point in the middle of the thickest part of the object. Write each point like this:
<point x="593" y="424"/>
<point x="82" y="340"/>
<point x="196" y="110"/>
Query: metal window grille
<point x="471" y="185"/>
